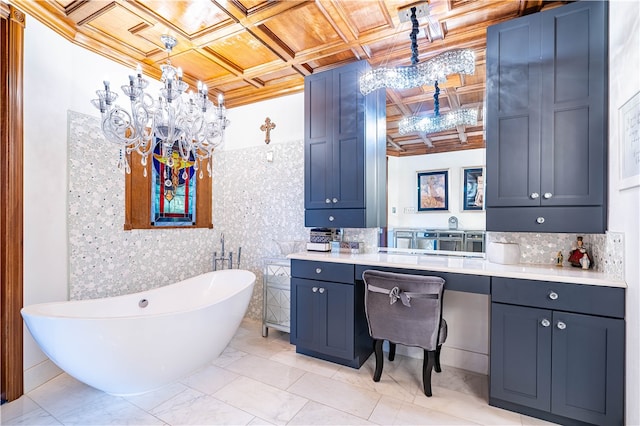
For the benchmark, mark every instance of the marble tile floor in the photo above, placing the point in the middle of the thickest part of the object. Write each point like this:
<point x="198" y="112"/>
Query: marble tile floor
<point x="261" y="381"/>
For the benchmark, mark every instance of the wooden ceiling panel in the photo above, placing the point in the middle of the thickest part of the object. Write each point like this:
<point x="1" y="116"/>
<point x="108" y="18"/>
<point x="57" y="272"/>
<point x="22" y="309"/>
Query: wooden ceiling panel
<point x="303" y="28"/>
<point x="117" y="22"/>
<point x="254" y="50"/>
<point x="255" y="53"/>
<point x="190" y="17"/>
<point x="197" y="65"/>
<point x="366" y="19"/>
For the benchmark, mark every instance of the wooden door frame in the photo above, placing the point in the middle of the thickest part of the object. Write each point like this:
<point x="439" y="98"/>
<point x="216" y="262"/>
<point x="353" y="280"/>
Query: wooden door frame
<point x="11" y="202"/>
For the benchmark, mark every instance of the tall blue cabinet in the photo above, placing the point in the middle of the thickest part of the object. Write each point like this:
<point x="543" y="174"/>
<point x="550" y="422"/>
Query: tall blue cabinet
<point x="344" y="150"/>
<point x="546" y="121"/>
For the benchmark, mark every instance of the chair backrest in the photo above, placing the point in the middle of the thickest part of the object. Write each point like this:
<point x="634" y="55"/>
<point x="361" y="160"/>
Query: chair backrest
<point x="387" y="295"/>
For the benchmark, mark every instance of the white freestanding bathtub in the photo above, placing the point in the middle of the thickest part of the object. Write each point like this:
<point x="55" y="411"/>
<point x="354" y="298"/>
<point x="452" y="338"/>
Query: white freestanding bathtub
<point x="139" y="342"/>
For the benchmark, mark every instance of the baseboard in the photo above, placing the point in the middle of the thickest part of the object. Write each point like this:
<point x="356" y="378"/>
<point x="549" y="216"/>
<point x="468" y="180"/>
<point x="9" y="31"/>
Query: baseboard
<point x="39" y="374"/>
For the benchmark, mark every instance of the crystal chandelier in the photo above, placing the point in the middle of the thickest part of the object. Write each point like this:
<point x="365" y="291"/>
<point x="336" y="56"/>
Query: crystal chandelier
<point x="174" y="127"/>
<point x="437" y="122"/>
<point x="432" y="71"/>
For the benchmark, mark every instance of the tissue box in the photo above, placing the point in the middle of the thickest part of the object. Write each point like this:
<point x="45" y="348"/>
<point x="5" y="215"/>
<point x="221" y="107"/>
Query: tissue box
<point x="352" y="247"/>
<point x="504" y="253"/>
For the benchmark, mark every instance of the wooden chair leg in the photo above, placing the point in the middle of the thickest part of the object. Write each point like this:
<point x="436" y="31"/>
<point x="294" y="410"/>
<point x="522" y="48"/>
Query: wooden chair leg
<point x="427" y="366"/>
<point x="377" y="346"/>
<point x="437" y="362"/>
<point x="392" y="351"/>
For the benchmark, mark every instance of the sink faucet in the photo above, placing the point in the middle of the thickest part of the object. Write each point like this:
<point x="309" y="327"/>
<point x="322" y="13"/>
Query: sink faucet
<point x="222" y="242"/>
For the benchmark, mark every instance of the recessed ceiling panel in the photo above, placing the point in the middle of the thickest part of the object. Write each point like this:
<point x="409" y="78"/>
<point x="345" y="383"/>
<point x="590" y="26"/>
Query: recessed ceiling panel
<point x="198" y="66"/>
<point x="363" y="19"/>
<point x="303" y="28"/>
<point x="117" y="22"/>
<point x="190" y="17"/>
<point x="243" y="50"/>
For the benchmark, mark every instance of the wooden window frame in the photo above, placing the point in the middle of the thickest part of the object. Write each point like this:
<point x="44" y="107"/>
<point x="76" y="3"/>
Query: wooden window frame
<point x="138" y="198"/>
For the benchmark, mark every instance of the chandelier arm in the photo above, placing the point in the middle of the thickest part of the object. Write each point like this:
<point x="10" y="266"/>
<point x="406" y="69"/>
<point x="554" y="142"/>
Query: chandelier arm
<point x="189" y="125"/>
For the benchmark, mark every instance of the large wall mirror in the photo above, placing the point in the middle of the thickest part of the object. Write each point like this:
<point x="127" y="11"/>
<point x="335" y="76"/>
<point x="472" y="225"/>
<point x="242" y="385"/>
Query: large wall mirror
<point x="435" y="182"/>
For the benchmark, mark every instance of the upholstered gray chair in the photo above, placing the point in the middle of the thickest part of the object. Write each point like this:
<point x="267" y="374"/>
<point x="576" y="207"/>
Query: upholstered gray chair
<point x="406" y="309"/>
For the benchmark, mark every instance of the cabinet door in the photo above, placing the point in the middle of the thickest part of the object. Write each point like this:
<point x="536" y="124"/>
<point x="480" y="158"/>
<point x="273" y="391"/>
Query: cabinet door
<point x="348" y="137"/>
<point x="513" y="113"/>
<point x="521" y="355"/>
<point x="318" y="142"/>
<point x="574" y="94"/>
<point x="307" y="316"/>
<point x="322" y="317"/>
<point x="588" y="368"/>
<point x="337" y="302"/>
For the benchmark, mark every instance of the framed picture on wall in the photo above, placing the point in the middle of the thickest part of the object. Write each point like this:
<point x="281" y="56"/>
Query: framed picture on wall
<point x="473" y="188"/>
<point x="433" y="190"/>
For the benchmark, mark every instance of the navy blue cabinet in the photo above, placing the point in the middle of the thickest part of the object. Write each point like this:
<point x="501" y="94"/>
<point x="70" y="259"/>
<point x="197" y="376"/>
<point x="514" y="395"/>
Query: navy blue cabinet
<point x="344" y="150"/>
<point x="555" y="364"/>
<point x="546" y="121"/>
<point x="327" y="313"/>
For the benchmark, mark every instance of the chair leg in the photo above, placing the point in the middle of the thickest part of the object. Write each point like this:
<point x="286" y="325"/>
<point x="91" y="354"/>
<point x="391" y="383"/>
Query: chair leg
<point x="377" y="346"/>
<point x="437" y="362"/>
<point x="392" y="351"/>
<point x="427" y="366"/>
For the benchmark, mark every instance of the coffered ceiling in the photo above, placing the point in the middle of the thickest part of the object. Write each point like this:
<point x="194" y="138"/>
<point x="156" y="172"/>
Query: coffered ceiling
<point x="253" y="50"/>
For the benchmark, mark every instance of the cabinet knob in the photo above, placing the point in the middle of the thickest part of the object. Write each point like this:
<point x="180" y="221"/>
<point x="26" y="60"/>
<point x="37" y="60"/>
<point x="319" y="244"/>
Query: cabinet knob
<point x="534" y="195"/>
<point x="335" y="200"/>
<point x="540" y="220"/>
<point x="561" y="325"/>
<point x="331" y="218"/>
<point x="547" y="195"/>
<point x="321" y="290"/>
<point x="328" y="201"/>
<point x="314" y="289"/>
<point x="318" y="270"/>
<point x="553" y="295"/>
<point x="545" y="322"/>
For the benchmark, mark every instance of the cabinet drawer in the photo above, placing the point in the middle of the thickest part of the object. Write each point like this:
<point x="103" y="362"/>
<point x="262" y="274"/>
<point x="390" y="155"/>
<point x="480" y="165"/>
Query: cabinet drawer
<point x="452" y="281"/>
<point x="596" y="300"/>
<point x="588" y="219"/>
<point x="323" y="271"/>
<point x="335" y="218"/>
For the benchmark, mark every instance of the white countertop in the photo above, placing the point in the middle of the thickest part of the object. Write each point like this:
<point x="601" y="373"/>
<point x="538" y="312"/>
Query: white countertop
<point x="464" y="265"/>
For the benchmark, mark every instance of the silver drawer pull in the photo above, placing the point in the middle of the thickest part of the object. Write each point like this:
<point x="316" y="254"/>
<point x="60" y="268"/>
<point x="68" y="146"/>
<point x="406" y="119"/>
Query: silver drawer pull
<point x="545" y="322"/>
<point x="553" y="295"/>
<point x="331" y="218"/>
<point x="561" y="325"/>
<point x="534" y="195"/>
<point x="547" y="195"/>
<point x="314" y="289"/>
<point x="318" y="270"/>
<point x="335" y="200"/>
<point x="540" y="220"/>
<point x="321" y="290"/>
<point x="328" y="201"/>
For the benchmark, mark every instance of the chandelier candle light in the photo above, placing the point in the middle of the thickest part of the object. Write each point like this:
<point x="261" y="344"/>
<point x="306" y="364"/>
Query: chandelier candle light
<point x="177" y="126"/>
<point x="432" y="71"/>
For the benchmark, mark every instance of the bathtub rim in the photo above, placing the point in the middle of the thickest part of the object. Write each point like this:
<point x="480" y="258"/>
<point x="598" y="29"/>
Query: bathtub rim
<point x="35" y="309"/>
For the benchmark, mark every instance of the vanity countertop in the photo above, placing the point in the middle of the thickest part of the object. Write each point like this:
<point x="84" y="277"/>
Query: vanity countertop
<point x="467" y="265"/>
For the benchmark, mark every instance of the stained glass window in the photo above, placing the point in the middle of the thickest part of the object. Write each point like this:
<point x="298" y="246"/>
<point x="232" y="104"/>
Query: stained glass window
<point x="173" y="191"/>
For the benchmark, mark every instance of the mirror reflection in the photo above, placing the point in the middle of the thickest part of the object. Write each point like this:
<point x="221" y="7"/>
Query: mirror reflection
<point x="436" y="202"/>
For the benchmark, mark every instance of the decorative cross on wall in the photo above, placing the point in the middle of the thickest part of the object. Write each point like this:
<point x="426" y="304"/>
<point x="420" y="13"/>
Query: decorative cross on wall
<point x="267" y="127"/>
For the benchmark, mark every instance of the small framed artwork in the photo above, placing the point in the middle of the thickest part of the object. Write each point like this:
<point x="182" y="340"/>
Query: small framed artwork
<point x="629" y="114"/>
<point x="473" y="190"/>
<point x="433" y="190"/>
